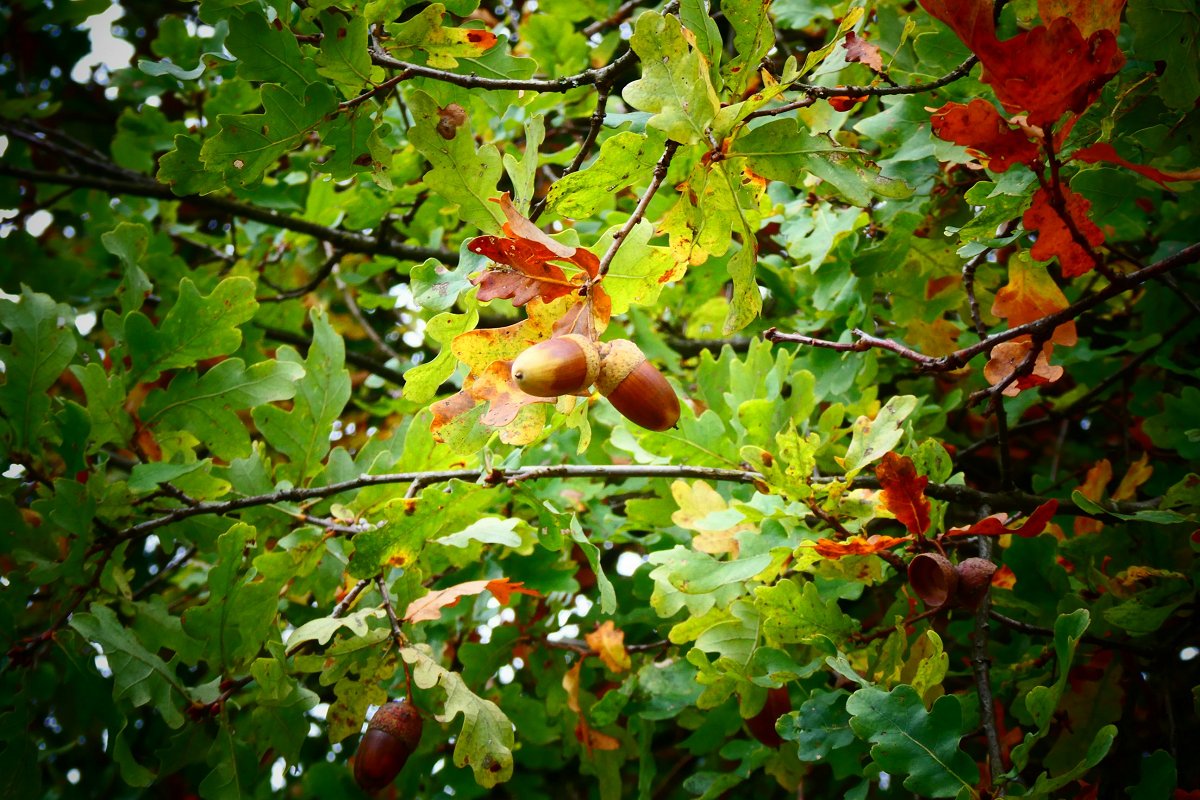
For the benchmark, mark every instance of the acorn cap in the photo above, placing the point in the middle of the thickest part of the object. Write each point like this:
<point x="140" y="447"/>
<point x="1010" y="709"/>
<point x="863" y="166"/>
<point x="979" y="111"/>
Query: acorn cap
<point x="562" y="365"/>
<point x="618" y="358"/>
<point x="933" y="578"/>
<point x="974" y="580"/>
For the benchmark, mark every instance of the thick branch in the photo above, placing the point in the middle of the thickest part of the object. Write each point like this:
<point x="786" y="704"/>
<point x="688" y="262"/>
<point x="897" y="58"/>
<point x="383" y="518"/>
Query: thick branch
<point x="348" y="241"/>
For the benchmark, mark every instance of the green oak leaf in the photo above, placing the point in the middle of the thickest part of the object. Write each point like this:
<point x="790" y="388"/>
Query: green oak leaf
<point x="204" y="405"/>
<point x="441" y="46"/>
<point x="184" y="171"/>
<point x="302" y="433"/>
<point x="1169" y="31"/>
<point x="322" y="630"/>
<point x="820" y="726"/>
<point x="908" y="740"/>
<point x="1041" y="701"/>
<point x="461" y="174"/>
<point x="793" y="614"/>
<point x="486" y="740"/>
<point x="196" y="327"/>
<point x="422" y="381"/>
<point x="675" y="83"/>
<point x="640" y="270"/>
<point x="1047" y="786"/>
<point x="344" y="57"/>
<point x="872" y="438"/>
<point x="42" y="344"/>
<point x="753" y="36"/>
<point x="139" y="675"/>
<point x="269" y="54"/>
<point x="626" y="159"/>
<point x="784" y="151"/>
<point x="249" y="145"/>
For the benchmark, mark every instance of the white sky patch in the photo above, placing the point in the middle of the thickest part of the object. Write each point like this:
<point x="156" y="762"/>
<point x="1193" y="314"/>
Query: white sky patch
<point x="107" y="50"/>
<point x="37" y="222"/>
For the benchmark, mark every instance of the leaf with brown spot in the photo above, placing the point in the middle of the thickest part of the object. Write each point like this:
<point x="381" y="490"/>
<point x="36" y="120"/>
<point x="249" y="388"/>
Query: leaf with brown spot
<point x="904" y="491"/>
<point x="608" y="642"/>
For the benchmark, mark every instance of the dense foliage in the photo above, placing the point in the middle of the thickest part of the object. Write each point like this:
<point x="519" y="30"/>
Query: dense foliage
<point x="921" y="275"/>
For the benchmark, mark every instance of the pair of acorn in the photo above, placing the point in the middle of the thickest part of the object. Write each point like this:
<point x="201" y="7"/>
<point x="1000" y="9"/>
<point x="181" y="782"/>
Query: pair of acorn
<point x="943" y="584"/>
<point x="570" y="364"/>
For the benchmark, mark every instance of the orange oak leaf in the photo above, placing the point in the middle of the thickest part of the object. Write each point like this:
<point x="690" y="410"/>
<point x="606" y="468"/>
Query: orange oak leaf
<point x="997" y="524"/>
<point x="1094" y="483"/>
<point x="1138" y="473"/>
<point x="979" y="127"/>
<point x="1030" y="295"/>
<point x="1007" y="357"/>
<point x="1045" y="71"/>
<point x="843" y="102"/>
<point x="1102" y="151"/>
<point x="496" y="386"/>
<point x="1054" y="234"/>
<point x="862" y="51"/>
<point x="430" y="606"/>
<point x="858" y="545"/>
<point x="608" y="642"/>
<point x="1004" y="578"/>
<point x="904" y="491"/>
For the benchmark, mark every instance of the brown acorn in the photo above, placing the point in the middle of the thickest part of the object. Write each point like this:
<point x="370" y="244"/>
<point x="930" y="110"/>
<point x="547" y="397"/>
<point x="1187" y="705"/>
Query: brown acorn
<point x="974" y="579"/>
<point x="762" y="724"/>
<point x="635" y="387"/>
<point x="392" y="736"/>
<point x="562" y="365"/>
<point x="933" y="578"/>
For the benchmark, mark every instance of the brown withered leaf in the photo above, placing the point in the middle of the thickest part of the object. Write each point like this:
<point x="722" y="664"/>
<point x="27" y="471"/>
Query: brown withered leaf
<point x="904" y="491"/>
<point x="1008" y="356"/>
<point x="997" y="524"/>
<point x="862" y="51"/>
<point x="608" y="642"/>
<point x="430" y="606"/>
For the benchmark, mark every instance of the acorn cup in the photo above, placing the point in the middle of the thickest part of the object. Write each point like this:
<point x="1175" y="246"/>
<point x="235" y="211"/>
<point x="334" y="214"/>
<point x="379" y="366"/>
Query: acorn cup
<point x="392" y="736"/>
<point x="974" y="579"/>
<point x="562" y="365"/>
<point x="635" y="387"/>
<point x="933" y="578"/>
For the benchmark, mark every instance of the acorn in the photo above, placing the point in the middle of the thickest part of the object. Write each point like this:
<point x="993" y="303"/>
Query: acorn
<point x="933" y="578"/>
<point x="762" y="724"/>
<point x="392" y="736"/>
<point x="974" y="579"/>
<point x="635" y="387"/>
<point x="562" y="365"/>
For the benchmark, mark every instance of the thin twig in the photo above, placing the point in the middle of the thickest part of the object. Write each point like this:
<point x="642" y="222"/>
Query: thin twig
<point x="316" y="280"/>
<point x="1038" y="630"/>
<point x="660" y="174"/>
<point x="981" y="665"/>
<point x="597" y="122"/>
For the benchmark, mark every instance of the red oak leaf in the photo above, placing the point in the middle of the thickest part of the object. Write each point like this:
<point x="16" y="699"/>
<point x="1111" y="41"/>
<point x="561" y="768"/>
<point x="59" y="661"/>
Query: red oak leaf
<point x="1103" y="151"/>
<point x="1088" y="15"/>
<point x="1045" y="71"/>
<point x="979" y="127"/>
<point x="996" y="524"/>
<point x="843" y="102"/>
<point x="1054" y="236"/>
<point x="858" y="545"/>
<point x="863" y="52"/>
<point x="904" y="492"/>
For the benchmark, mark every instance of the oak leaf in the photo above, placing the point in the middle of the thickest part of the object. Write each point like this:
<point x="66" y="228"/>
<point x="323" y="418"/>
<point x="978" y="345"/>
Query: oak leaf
<point x="1103" y="151"/>
<point x="1055" y="238"/>
<point x="1008" y="357"/>
<point x="980" y="128"/>
<point x="1097" y="479"/>
<point x="429" y="607"/>
<point x="608" y="642"/>
<point x="862" y="51"/>
<point x="858" y="545"/>
<point x="904" y="491"/>
<point x="1030" y="295"/>
<point x="998" y="525"/>
<point x="1138" y="473"/>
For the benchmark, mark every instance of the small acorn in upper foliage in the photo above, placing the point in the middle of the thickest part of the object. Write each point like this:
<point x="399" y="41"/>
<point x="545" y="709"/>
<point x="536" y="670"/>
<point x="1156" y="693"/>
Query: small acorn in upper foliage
<point x="635" y="387"/>
<point x="562" y="365"/>
<point x="762" y="724"/>
<point x="933" y="578"/>
<point x="392" y="736"/>
<point x="974" y="578"/>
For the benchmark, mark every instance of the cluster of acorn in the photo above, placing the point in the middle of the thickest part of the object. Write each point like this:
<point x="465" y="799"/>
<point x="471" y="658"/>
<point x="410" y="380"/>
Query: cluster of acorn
<point x="570" y="364"/>
<point x="392" y="736"/>
<point x="941" y="583"/>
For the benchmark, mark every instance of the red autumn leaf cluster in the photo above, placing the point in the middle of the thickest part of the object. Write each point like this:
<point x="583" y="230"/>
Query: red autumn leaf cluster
<point x="1054" y="222"/>
<point x="522" y="268"/>
<point x="997" y="524"/>
<point x="1045" y="71"/>
<point x="904" y="492"/>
